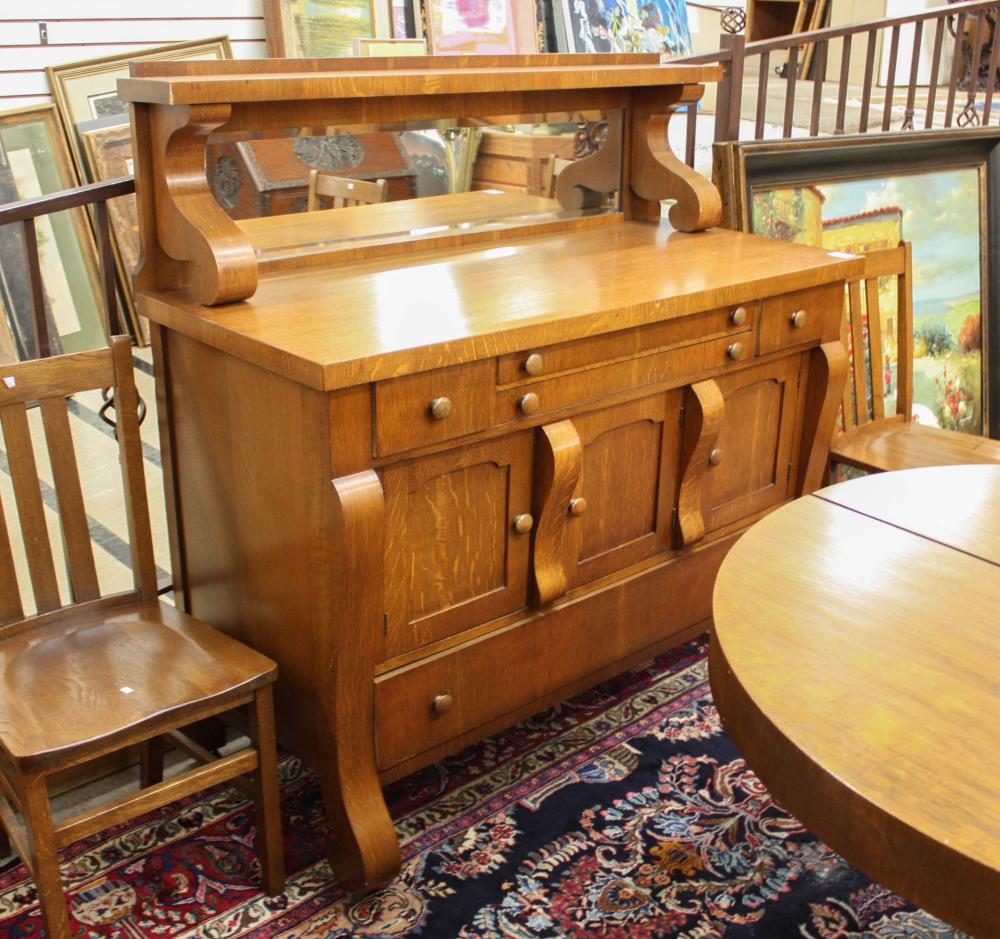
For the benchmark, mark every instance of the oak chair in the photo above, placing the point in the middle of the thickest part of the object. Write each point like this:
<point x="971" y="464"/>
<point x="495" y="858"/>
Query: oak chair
<point x="553" y="167"/>
<point x="83" y="679"/>
<point x="872" y="440"/>
<point x="344" y="192"/>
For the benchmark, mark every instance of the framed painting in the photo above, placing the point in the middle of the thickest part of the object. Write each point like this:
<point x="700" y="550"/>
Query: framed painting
<point x="938" y="191"/>
<point x="389" y="47"/>
<point x="88" y="90"/>
<point x="623" y="26"/>
<point x="107" y="150"/>
<point x="34" y="161"/>
<point x="481" y="27"/>
<point x="322" y="29"/>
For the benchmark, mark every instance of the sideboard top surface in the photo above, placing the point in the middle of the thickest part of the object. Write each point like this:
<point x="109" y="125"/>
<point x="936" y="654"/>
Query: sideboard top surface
<point x="322" y="79"/>
<point x="340" y="325"/>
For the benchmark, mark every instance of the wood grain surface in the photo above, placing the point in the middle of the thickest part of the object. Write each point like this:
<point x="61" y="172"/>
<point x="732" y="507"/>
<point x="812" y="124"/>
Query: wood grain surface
<point x="855" y="663"/>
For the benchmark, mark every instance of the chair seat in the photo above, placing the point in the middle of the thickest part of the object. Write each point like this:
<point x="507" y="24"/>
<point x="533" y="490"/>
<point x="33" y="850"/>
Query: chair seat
<point x="106" y="674"/>
<point x="884" y="446"/>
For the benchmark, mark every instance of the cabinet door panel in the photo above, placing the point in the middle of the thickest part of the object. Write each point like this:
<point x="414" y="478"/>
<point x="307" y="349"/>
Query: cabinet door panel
<point x="453" y="557"/>
<point x="628" y="478"/>
<point x="755" y="442"/>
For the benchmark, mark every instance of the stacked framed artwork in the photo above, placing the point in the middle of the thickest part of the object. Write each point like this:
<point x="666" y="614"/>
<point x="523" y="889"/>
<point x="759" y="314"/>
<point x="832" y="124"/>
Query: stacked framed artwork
<point x="940" y="191"/>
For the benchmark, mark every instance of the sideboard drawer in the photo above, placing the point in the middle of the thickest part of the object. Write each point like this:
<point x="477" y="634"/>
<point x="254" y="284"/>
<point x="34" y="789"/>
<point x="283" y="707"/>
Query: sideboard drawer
<point x="681" y="364"/>
<point x="793" y="319"/>
<point x="417" y="410"/>
<point x="532" y="364"/>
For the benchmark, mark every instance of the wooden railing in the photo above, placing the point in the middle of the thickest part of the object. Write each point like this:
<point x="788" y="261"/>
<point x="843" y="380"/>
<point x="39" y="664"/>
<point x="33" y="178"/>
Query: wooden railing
<point x="957" y="26"/>
<point x="25" y="213"/>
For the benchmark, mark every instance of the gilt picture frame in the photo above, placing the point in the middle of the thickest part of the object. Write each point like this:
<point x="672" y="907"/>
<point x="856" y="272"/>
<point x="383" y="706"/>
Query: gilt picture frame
<point x="88" y="90"/>
<point x="35" y="161"/>
<point x="936" y="190"/>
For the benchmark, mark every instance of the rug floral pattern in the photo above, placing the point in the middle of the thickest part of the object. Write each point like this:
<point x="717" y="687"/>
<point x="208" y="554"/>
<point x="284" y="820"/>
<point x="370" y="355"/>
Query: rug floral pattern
<point x="624" y="813"/>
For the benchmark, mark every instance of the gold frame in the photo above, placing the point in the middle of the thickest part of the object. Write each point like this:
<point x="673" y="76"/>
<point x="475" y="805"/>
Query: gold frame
<point x="977" y="148"/>
<point x="280" y="45"/>
<point x="47" y="114"/>
<point x="113" y="67"/>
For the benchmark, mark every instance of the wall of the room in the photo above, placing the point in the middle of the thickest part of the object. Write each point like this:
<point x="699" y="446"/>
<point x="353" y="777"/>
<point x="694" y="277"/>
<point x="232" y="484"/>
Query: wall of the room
<point x="84" y="29"/>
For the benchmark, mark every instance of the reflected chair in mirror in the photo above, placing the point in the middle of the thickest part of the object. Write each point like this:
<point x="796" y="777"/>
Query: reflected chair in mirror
<point x="86" y="677"/>
<point x="553" y="167"/>
<point x="344" y="192"/>
<point x="870" y="439"/>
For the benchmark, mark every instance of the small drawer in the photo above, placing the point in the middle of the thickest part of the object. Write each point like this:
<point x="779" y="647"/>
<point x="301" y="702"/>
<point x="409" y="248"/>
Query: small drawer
<point x="426" y="408"/>
<point x="681" y="364"/>
<point x="794" y="319"/>
<point x="532" y="364"/>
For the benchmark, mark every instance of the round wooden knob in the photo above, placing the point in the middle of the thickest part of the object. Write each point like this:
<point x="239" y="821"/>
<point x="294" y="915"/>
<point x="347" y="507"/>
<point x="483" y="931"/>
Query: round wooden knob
<point x="798" y="319"/>
<point x="739" y="316"/>
<point x="442" y="703"/>
<point x="523" y="523"/>
<point x="529" y="403"/>
<point x="440" y="408"/>
<point x="577" y="506"/>
<point x="534" y="364"/>
<point x="735" y="351"/>
<point x="715" y="457"/>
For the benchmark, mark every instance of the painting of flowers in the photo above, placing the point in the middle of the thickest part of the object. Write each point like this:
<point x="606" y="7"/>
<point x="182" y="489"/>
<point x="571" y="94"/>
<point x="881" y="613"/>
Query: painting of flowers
<point x="624" y="26"/>
<point x="481" y="27"/>
<point x="940" y="213"/>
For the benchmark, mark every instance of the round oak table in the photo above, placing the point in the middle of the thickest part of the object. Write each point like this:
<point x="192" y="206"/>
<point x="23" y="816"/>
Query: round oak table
<point x="856" y="663"/>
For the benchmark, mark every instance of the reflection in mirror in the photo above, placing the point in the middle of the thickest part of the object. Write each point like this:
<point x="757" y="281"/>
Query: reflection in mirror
<point x="380" y="184"/>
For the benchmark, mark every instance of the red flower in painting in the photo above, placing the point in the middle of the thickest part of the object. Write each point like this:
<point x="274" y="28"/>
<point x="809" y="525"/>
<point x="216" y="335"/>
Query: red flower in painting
<point x="475" y="13"/>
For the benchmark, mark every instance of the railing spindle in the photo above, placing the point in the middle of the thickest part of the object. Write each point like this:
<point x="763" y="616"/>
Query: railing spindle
<point x="991" y="83"/>
<point x="793" y="67"/>
<point x="911" y="88"/>
<point x="977" y="55"/>
<point x="866" y="87"/>
<point x="109" y="292"/>
<point x="42" y="338"/>
<point x="890" y="82"/>
<point x="762" y="80"/>
<point x="956" y="68"/>
<point x="736" y="46"/>
<point x="845" y="71"/>
<point x="935" y="72"/>
<point x="819" y="67"/>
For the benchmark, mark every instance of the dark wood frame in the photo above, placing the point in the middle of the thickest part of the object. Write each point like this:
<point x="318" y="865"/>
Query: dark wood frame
<point x="740" y="167"/>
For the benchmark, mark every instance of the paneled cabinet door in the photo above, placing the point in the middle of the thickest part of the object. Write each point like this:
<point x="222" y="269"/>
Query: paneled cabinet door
<point x="628" y="478"/>
<point x="457" y="540"/>
<point x="752" y="461"/>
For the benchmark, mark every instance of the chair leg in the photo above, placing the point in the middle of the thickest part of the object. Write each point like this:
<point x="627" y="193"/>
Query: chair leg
<point x="45" y="857"/>
<point x="270" y="848"/>
<point x="151" y="762"/>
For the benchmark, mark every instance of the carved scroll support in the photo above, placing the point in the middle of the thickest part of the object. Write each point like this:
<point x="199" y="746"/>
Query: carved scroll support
<point x="362" y="848"/>
<point x="190" y="224"/>
<point x="657" y="174"/>
<point x="584" y="184"/>
<point x="827" y="376"/>
<point x="557" y="474"/>
<point x="704" y="408"/>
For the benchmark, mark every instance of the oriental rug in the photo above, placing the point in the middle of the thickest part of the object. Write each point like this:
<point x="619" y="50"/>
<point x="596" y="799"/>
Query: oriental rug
<point x="623" y="813"/>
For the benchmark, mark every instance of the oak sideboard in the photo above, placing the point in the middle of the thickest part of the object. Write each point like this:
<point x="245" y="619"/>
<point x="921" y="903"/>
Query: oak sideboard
<point x="450" y="460"/>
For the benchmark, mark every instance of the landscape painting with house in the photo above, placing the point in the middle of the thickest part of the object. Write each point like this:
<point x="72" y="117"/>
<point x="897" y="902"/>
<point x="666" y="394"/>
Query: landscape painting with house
<point x="939" y="213"/>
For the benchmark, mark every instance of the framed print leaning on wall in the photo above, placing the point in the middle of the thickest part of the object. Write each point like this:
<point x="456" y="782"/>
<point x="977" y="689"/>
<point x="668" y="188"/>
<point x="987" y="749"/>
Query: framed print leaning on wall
<point x="309" y="29"/>
<point x="622" y="26"/>
<point x="487" y="27"/>
<point x="34" y="161"/>
<point x="88" y="90"/>
<point x="937" y="191"/>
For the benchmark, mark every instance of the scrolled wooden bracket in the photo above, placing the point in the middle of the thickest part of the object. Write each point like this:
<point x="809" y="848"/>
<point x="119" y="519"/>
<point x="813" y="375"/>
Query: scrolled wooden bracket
<point x="363" y="848"/>
<point x="560" y="461"/>
<point x="827" y="377"/>
<point x="190" y="224"/>
<point x="585" y="183"/>
<point x="657" y="174"/>
<point x="704" y="408"/>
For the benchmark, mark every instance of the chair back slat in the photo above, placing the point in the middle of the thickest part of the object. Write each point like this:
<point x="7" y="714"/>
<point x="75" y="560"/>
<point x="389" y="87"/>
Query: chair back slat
<point x="30" y="508"/>
<point x="133" y="474"/>
<point x="69" y="496"/>
<point x="847" y="420"/>
<point x="58" y="376"/>
<point x="904" y="333"/>
<point x="875" y="348"/>
<point x="344" y="192"/>
<point x="10" y="594"/>
<point x="858" y="353"/>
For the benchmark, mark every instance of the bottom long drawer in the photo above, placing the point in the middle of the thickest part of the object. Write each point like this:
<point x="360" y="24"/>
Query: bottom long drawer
<point x="429" y="702"/>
